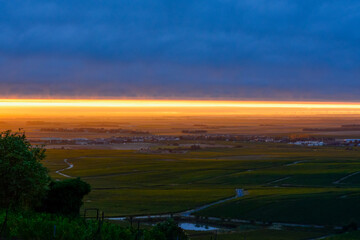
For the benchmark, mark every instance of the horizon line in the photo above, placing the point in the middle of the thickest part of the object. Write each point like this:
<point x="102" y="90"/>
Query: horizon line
<point x="161" y="103"/>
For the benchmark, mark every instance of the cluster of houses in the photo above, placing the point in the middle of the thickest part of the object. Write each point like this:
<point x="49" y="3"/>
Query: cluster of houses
<point x="351" y="142"/>
<point x="310" y="142"/>
<point x="335" y="142"/>
<point x="93" y="130"/>
<point x="104" y="141"/>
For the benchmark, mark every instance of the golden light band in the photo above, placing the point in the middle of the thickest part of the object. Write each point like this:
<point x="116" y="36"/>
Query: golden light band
<point x="171" y="104"/>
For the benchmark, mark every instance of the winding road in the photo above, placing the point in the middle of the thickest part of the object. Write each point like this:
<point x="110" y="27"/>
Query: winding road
<point x="238" y="193"/>
<point x="70" y="165"/>
<point x="346" y="177"/>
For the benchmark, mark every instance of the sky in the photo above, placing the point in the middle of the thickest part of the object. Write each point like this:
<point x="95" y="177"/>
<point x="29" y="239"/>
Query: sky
<point x="302" y="50"/>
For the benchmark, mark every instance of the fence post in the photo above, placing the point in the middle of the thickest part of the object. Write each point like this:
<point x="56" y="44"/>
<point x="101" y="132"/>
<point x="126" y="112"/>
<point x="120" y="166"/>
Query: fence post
<point x="4" y="225"/>
<point x="54" y="232"/>
<point x="100" y="221"/>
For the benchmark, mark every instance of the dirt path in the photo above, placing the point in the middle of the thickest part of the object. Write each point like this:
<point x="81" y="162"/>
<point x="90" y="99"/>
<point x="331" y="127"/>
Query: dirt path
<point x="278" y="180"/>
<point x="294" y="163"/>
<point x="238" y="193"/>
<point x="346" y="177"/>
<point x="70" y="165"/>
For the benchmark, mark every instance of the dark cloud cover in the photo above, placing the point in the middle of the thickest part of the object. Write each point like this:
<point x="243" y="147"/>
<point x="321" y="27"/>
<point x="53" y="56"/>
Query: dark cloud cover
<point x="225" y="49"/>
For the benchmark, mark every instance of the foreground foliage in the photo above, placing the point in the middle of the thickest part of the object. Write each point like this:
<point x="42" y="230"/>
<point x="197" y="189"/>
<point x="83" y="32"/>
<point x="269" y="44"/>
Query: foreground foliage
<point x="24" y="180"/>
<point x="33" y="226"/>
<point x="68" y="194"/>
<point x="25" y="183"/>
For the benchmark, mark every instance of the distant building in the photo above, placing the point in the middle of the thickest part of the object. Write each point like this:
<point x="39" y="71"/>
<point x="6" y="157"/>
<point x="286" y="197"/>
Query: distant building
<point x="51" y="140"/>
<point x="352" y="140"/>
<point x="81" y="141"/>
<point x="308" y="143"/>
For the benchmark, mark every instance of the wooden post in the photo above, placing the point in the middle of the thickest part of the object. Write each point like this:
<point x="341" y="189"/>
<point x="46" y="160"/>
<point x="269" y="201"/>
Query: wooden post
<point x="54" y="233"/>
<point x="3" y="227"/>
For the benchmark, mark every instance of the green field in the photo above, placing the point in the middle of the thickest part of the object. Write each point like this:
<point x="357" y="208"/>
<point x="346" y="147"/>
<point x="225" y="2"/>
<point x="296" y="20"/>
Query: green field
<point x="324" y="206"/>
<point x="345" y="236"/>
<point x="284" y="183"/>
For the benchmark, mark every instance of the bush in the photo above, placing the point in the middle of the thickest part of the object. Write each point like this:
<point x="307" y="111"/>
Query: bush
<point x="168" y="230"/>
<point x="65" y="197"/>
<point x="352" y="226"/>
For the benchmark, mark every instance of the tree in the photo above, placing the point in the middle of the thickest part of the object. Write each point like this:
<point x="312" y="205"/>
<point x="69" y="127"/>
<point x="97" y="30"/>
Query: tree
<point x="23" y="179"/>
<point x="65" y="197"/>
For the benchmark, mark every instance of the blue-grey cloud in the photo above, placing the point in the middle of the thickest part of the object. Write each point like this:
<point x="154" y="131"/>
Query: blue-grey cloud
<point x="249" y="49"/>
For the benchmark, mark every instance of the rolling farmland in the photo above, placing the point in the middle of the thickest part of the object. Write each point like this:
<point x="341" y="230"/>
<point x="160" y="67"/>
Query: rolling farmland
<point x="282" y="183"/>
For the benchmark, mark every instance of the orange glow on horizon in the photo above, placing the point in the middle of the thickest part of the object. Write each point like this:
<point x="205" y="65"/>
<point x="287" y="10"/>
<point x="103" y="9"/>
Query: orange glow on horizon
<point x="171" y="103"/>
<point x="93" y="107"/>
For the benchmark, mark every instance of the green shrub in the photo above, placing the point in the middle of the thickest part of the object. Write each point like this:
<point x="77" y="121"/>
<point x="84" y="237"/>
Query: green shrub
<point x="65" y="197"/>
<point x="168" y="230"/>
